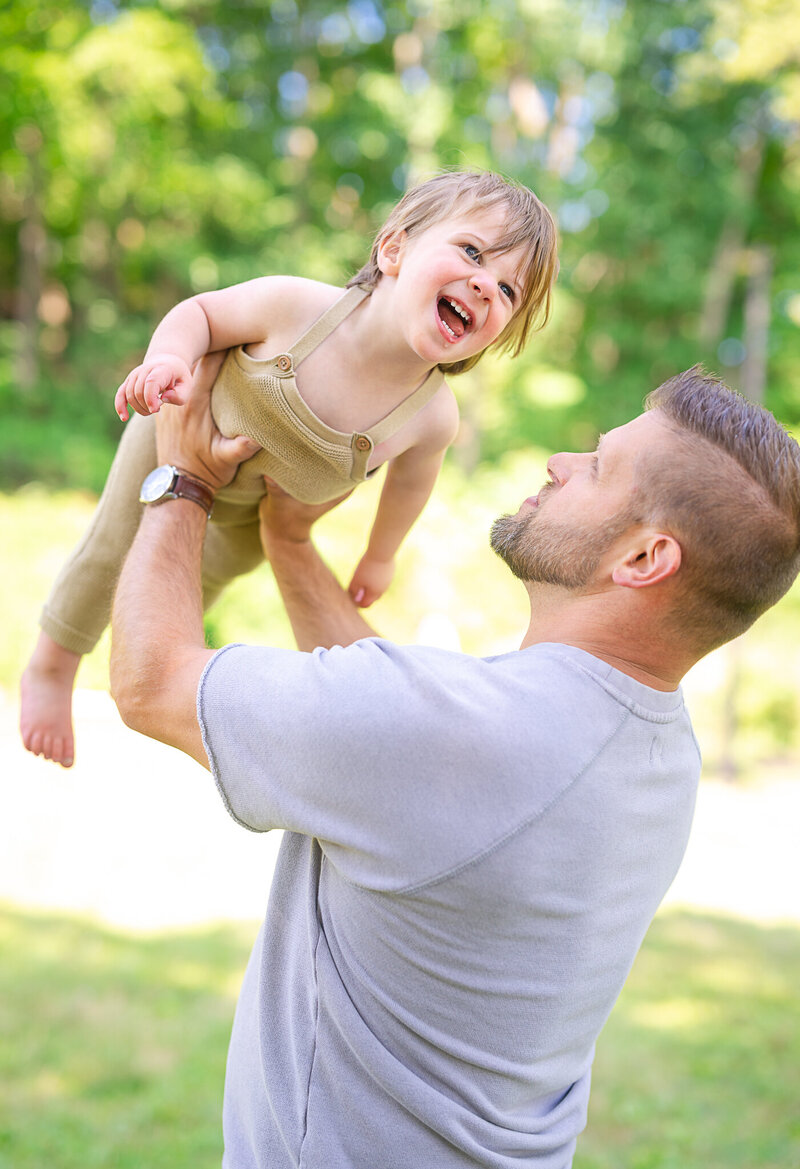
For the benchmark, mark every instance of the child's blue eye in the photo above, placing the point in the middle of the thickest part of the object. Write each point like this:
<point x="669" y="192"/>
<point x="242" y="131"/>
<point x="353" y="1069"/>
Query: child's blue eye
<point x="474" y="253"/>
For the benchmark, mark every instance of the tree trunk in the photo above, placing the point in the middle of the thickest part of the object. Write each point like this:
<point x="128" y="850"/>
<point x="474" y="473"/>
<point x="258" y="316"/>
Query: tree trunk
<point x="728" y="254"/>
<point x="32" y="248"/>
<point x="756" y="323"/>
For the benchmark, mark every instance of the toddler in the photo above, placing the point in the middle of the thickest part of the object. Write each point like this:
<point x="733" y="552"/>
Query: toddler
<point x="331" y="383"/>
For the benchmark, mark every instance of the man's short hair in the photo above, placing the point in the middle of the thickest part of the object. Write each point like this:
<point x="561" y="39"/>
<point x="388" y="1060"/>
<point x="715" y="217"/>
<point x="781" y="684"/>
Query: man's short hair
<point x="730" y="493"/>
<point x="530" y="226"/>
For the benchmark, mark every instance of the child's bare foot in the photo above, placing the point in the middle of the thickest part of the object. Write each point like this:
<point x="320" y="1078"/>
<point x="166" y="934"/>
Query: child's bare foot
<point x="45" y="720"/>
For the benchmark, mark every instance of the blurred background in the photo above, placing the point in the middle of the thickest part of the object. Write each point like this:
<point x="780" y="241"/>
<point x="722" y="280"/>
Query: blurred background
<point x="149" y="151"/>
<point x="152" y="151"/>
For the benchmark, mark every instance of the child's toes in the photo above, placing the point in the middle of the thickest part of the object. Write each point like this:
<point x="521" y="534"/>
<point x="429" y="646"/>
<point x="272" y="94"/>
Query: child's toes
<point x="56" y="751"/>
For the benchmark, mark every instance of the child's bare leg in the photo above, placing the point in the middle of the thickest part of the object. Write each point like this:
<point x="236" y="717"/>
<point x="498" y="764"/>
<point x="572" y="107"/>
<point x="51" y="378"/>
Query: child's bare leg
<point x="45" y="721"/>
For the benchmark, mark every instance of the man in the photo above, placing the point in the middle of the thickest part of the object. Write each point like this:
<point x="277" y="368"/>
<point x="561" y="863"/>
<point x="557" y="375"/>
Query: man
<point x="473" y="849"/>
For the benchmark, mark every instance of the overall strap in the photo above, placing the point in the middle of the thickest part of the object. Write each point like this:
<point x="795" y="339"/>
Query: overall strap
<point x="407" y="408"/>
<point x="324" y="325"/>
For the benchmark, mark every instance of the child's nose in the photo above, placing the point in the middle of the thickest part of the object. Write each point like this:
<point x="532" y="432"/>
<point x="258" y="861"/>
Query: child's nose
<point x="483" y="284"/>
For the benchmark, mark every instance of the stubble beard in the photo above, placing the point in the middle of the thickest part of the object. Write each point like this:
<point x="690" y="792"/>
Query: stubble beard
<point x="548" y="552"/>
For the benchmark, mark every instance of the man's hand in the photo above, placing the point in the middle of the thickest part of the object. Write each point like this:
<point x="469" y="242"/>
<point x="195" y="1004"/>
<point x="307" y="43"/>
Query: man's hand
<point x="188" y="438"/>
<point x="160" y="379"/>
<point x="285" y="518"/>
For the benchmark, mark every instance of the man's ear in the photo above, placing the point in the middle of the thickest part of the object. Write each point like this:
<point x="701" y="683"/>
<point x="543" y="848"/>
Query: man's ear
<point x="390" y="251"/>
<point x="651" y="559"/>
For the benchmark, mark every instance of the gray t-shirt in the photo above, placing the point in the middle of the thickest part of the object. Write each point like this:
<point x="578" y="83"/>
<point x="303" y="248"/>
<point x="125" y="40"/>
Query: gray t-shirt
<point x="474" y="849"/>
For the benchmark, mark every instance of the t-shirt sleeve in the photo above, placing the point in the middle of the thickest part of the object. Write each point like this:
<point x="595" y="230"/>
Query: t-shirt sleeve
<point x="397" y="759"/>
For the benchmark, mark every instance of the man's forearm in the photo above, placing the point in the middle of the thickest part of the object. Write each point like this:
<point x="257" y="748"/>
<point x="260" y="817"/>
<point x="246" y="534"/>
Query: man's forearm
<point x="321" y="612"/>
<point x="157" y="616"/>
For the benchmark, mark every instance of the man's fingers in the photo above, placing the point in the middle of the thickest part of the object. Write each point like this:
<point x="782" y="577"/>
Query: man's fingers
<point x="205" y="373"/>
<point x="233" y="451"/>
<point x="242" y="448"/>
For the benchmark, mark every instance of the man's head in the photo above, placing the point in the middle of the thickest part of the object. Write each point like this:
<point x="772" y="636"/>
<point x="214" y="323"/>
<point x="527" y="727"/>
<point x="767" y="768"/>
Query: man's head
<point x="729" y="488"/>
<point x="529" y="228"/>
<point x="700" y="494"/>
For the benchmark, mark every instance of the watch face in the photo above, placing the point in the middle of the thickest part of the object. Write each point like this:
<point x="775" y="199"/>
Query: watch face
<point x="156" y="484"/>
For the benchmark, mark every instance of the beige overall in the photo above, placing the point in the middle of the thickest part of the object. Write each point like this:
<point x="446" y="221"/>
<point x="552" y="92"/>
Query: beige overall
<point x="253" y="396"/>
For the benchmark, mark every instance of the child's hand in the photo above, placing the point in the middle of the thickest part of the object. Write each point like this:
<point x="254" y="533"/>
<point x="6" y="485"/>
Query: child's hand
<point x="161" y="378"/>
<point x="370" y="580"/>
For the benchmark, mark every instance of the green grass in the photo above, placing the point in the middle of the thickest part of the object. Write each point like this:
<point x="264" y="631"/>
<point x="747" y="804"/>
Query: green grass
<point x="112" y="1048"/>
<point x="697" y="1067"/>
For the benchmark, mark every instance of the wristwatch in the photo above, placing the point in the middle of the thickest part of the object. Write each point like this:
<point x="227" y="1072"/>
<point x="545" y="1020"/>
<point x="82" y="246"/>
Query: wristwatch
<point x="169" y="482"/>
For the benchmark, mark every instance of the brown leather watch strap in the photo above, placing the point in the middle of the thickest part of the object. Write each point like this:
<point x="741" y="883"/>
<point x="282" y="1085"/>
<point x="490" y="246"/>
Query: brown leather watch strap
<point x="185" y="487"/>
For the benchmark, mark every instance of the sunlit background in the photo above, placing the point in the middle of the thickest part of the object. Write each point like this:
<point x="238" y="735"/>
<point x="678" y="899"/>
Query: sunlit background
<point x="152" y="150"/>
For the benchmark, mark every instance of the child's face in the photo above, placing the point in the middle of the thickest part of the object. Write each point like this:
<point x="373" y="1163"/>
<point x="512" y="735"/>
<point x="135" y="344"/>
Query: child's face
<point x="452" y="295"/>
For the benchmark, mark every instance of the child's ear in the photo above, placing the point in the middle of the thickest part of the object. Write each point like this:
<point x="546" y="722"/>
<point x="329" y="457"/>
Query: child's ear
<point x="390" y="251"/>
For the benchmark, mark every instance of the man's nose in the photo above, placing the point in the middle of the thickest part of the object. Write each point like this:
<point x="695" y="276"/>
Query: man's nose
<point x="561" y="466"/>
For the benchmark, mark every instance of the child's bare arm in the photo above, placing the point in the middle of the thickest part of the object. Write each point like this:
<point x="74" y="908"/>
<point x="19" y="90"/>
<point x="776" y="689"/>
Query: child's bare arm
<point x="202" y="324"/>
<point x="410" y="478"/>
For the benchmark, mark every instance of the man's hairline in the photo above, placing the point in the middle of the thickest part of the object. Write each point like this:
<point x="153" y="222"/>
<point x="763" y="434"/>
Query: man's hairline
<point x="692" y="440"/>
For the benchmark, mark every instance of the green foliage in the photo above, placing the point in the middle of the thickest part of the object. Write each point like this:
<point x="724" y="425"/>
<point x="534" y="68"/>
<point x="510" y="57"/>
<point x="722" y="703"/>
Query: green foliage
<point x="149" y="151"/>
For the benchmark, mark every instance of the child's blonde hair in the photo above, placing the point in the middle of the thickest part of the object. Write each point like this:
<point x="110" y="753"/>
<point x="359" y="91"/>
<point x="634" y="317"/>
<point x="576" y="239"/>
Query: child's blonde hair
<point x="529" y="225"/>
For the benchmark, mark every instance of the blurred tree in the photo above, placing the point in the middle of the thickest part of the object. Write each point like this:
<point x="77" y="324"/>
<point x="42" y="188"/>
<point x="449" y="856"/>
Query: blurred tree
<point x="150" y="151"/>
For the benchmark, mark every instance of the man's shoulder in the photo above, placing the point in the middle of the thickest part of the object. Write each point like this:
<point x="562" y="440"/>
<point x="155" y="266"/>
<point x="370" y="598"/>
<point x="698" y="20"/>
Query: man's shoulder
<point x="549" y="677"/>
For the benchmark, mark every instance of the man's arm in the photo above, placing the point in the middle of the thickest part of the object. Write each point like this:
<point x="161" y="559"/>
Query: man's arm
<point x="321" y="612"/>
<point x="158" y="649"/>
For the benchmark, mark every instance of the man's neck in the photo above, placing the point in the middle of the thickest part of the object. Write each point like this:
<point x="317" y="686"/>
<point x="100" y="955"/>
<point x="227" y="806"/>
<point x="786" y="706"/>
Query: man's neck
<point x="609" y="632"/>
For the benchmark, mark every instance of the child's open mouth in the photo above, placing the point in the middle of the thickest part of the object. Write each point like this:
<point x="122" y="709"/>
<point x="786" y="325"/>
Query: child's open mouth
<point x="454" y="317"/>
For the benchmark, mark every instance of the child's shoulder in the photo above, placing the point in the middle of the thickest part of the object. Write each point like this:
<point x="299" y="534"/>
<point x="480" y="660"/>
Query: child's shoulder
<point x="437" y="424"/>
<point x="447" y="410"/>
<point x="295" y="302"/>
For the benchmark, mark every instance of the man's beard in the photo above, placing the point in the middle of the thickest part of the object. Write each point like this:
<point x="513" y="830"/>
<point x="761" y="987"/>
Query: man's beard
<point x="549" y="552"/>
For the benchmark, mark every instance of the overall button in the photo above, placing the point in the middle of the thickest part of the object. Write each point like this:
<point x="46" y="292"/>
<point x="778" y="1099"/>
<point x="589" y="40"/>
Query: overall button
<point x="363" y="443"/>
<point x="284" y="363"/>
